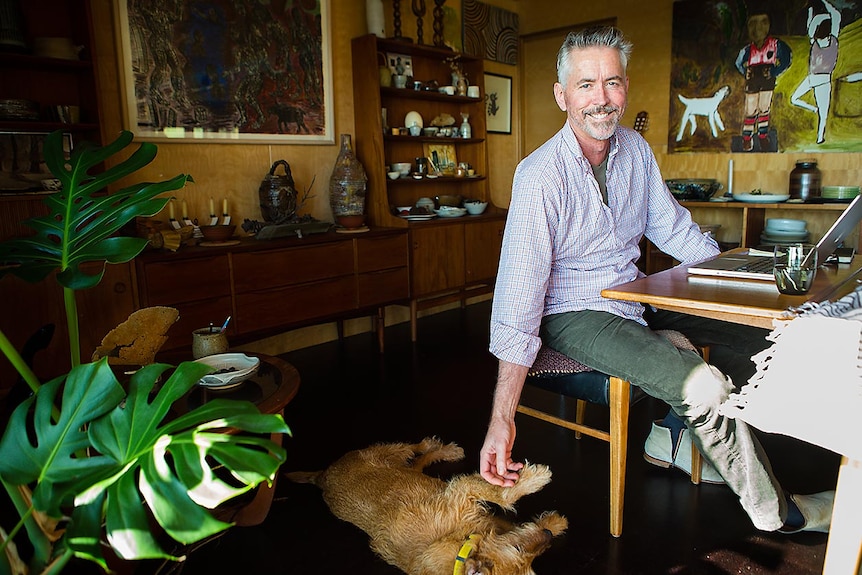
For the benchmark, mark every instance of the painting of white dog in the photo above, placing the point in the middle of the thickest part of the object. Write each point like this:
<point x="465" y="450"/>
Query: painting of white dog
<point x="707" y="107"/>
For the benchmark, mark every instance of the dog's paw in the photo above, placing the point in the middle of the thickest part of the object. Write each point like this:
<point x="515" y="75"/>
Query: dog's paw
<point x="534" y="476"/>
<point x="553" y="522"/>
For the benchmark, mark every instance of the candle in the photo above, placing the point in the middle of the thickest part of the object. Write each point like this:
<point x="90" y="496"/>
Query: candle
<point x="224" y="206"/>
<point x="185" y="210"/>
<point x="212" y="207"/>
<point x="171" y="209"/>
<point x="730" y="177"/>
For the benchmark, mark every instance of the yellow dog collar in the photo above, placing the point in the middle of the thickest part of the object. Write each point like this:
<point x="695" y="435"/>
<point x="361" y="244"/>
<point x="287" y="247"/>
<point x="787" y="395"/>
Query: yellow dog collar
<point x="463" y="553"/>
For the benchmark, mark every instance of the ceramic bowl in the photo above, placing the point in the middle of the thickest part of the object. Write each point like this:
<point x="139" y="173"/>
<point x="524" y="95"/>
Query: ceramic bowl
<point x="228" y="369"/>
<point x="217" y="233"/>
<point x="785" y="225"/>
<point x="394" y="175"/>
<point x="402" y="167"/>
<point x="693" y="188"/>
<point x="474" y="208"/>
<point x="429" y="131"/>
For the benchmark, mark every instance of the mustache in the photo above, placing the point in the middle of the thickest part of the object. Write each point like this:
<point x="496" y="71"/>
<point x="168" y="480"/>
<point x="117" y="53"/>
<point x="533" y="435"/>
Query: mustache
<point x="601" y="110"/>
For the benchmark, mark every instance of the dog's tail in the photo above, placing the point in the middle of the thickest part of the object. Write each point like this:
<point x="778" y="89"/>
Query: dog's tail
<point x="304" y="476"/>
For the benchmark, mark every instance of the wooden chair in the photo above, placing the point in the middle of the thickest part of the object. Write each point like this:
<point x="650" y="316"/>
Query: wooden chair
<point x="557" y="373"/>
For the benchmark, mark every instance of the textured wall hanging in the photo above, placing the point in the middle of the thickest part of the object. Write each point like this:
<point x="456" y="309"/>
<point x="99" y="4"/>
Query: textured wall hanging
<point x="490" y="32"/>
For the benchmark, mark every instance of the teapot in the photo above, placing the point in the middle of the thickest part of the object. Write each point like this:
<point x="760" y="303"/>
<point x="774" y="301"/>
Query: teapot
<point x="277" y="195"/>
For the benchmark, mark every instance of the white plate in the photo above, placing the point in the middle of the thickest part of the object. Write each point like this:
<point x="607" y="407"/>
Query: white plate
<point x="764" y="198"/>
<point x="784" y="234"/>
<point x="240" y="367"/>
<point x="418" y="217"/>
<point x="451" y="212"/>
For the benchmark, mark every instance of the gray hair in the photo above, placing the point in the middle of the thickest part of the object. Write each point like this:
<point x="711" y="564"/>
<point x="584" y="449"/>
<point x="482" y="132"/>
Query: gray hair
<point x="596" y="36"/>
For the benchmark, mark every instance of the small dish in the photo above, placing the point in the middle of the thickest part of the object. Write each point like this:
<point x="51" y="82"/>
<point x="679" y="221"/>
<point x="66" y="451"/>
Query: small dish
<point x="450" y="212"/>
<point x="475" y="208"/>
<point x="229" y="369"/>
<point x="393" y="175"/>
<point x="761" y="198"/>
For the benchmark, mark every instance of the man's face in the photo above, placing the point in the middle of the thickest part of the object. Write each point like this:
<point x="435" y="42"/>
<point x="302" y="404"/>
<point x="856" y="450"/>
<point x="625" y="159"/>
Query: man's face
<point x="595" y="94"/>
<point x="758" y="28"/>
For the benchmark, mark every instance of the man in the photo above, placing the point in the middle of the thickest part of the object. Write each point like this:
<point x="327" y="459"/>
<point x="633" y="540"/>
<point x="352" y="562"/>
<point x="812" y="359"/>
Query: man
<point x="580" y="205"/>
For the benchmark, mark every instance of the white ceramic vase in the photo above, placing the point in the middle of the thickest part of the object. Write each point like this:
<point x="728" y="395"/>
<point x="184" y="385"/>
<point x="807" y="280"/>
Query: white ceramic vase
<point x="374" y="18"/>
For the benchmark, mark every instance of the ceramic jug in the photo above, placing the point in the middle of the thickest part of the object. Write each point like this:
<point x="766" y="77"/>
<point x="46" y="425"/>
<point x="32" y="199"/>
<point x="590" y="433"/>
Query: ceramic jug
<point x="277" y="195"/>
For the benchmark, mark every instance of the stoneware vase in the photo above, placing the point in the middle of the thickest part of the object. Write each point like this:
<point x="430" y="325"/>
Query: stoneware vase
<point x="347" y="187"/>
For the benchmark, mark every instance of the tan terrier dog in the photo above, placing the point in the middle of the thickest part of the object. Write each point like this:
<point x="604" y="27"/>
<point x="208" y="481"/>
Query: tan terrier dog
<point x="426" y="526"/>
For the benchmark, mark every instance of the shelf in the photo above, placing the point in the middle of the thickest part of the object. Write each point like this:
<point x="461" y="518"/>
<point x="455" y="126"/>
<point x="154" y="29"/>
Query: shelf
<point x="430" y="95"/>
<point x="432" y="140"/>
<point x="26" y="61"/>
<point x="41" y="127"/>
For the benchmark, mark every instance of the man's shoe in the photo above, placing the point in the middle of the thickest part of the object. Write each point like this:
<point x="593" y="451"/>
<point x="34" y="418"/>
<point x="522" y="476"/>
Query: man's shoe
<point x="659" y="450"/>
<point x="816" y="509"/>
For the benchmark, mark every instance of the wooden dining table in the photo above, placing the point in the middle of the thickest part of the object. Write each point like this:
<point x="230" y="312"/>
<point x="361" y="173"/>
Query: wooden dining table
<point x="758" y="303"/>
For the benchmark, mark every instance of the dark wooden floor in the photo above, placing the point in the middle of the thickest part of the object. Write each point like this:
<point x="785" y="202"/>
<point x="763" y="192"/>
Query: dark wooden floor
<point x="351" y="397"/>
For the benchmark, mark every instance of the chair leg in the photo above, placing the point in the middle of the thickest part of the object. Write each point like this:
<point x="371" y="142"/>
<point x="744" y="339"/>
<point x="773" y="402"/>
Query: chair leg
<point x="619" y="396"/>
<point x="580" y="410"/>
<point x="696" y="458"/>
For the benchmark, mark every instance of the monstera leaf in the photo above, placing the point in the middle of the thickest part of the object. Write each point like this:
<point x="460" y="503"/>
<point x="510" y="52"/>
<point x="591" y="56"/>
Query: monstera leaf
<point x="137" y="453"/>
<point x="82" y="224"/>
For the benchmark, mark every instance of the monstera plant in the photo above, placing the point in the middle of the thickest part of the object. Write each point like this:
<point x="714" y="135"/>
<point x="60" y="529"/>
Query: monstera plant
<point x="88" y="461"/>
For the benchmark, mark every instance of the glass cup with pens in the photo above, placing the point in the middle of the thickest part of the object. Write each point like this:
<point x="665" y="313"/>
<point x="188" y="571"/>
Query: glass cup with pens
<point x="794" y="268"/>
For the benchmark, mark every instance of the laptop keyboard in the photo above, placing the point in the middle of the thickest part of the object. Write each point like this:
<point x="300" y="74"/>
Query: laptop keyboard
<point x="758" y="265"/>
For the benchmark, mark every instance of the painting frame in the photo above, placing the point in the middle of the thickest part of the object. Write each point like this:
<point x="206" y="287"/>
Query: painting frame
<point x="444" y="153"/>
<point x="233" y="95"/>
<point x="498" y="103"/>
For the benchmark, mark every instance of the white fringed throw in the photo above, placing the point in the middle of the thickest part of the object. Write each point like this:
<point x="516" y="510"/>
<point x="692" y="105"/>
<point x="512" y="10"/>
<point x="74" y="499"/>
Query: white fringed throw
<point x="808" y="384"/>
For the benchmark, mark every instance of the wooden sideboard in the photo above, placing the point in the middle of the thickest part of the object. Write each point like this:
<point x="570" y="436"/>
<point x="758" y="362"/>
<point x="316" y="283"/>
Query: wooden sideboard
<point x="267" y="286"/>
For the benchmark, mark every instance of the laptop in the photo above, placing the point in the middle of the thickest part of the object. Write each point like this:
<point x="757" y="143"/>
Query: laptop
<point x="759" y="267"/>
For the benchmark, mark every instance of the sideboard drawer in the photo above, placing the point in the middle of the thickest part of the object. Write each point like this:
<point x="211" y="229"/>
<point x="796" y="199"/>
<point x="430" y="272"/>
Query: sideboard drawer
<point x="292" y="305"/>
<point x="381" y="253"/>
<point x="172" y="282"/>
<point x="377" y="288"/>
<point x="291" y="266"/>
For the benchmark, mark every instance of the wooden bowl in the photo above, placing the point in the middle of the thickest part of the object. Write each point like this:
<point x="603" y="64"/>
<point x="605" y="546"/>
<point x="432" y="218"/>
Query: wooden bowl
<point x="217" y="233"/>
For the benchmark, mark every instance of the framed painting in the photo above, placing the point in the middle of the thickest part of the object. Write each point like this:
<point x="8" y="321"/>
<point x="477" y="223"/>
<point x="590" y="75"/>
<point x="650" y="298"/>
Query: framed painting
<point x="225" y="71"/>
<point x="769" y="76"/>
<point x="498" y="103"/>
<point x="442" y="158"/>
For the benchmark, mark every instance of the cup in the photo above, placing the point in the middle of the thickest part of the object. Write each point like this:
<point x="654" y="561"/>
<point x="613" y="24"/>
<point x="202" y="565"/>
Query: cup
<point x="794" y="268"/>
<point x="473" y="91"/>
<point x="208" y="341"/>
<point x="415" y="130"/>
<point x="399" y="80"/>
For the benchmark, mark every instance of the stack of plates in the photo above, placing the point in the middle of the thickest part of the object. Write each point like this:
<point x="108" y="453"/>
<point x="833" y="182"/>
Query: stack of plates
<point x="783" y="231"/>
<point x="839" y="193"/>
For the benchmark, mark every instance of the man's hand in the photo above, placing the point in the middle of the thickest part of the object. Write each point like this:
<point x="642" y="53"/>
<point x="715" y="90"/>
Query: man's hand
<point x="495" y="460"/>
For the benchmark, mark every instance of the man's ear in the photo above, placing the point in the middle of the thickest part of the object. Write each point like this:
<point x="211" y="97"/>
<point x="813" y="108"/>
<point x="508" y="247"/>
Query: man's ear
<point x="559" y="96"/>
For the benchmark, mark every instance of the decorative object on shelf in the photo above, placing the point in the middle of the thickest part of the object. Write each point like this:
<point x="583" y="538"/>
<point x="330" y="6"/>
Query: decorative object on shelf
<point x="466" y="131"/>
<point x="697" y="189"/>
<point x="384" y="118"/>
<point x="60" y="48"/>
<point x="443" y="158"/>
<point x="419" y="11"/>
<point x="498" y="103"/>
<point x="490" y="32"/>
<point x="384" y="71"/>
<point x="239" y="107"/>
<point x="12" y="27"/>
<point x="437" y="26"/>
<point x="472" y="91"/>
<point x="374" y="18"/>
<point x="805" y="181"/>
<point x="396" y="22"/>
<point x="414" y="118"/>
<point x="277" y="194"/>
<point x="459" y="79"/>
<point x="347" y="187"/>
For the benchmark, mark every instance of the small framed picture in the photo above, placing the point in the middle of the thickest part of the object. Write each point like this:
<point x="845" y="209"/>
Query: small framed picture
<point x="442" y="158"/>
<point x="498" y="103"/>
<point x="400" y="63"/>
